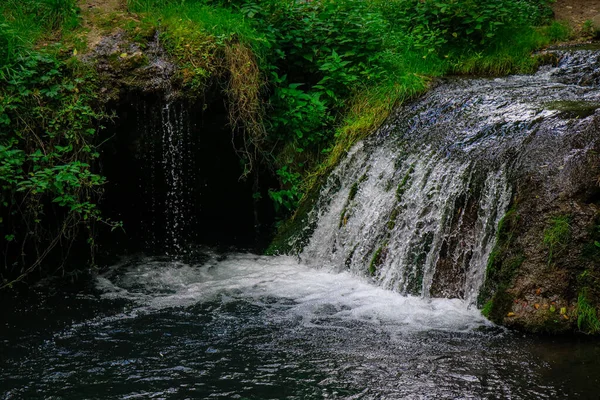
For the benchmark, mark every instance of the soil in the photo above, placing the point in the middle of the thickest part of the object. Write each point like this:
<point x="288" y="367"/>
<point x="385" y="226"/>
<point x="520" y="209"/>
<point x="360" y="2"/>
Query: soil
<point x="93" y="11"/>
<point x="576" y="12"/>
<point x="103" y="5"/>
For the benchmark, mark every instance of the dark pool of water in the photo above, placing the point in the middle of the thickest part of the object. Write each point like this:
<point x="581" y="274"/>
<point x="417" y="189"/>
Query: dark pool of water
<point x="253" y="327"/>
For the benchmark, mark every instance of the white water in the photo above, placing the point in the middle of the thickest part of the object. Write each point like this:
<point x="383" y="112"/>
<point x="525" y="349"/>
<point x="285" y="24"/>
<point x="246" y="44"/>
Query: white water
<point x="407" y="207"/>
<point x="269" y="327"/>
<point x="155" y="285"/>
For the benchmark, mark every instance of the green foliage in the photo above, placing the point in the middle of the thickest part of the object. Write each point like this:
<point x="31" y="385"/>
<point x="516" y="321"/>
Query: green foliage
<point x="557" y="235"/>
<point x="288" y="196"/>
<point x="299" y="116"/>
<point x="47" y="148"/>
<point x="587" y="317"/>
<point x="334" y="69"/>
<point x="439" y="25"/>
<point x="329" y="71"/>
<point x="24" y="22"/>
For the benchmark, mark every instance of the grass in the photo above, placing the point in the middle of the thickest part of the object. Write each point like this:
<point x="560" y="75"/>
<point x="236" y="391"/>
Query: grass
<point x="587" y="317"/>
<point x="556" y="235"/>
<point x="25" y="23"/>
<point x="184" y="18"/>
<point x="512" y="51"/>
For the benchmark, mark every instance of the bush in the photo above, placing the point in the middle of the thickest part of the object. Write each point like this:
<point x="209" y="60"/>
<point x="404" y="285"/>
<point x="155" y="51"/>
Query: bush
<point x="47" y="186"/>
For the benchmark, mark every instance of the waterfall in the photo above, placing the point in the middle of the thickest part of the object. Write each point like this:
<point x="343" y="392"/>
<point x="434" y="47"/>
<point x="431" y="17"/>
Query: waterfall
<point x="416" y="206"/>
<point x="168" y="181"/>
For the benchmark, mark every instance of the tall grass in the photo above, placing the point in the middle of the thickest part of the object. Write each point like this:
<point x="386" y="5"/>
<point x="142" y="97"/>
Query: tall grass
<point x="220" y="22"/>
<point x="587" y="317"/>
<point x="23" y="23"/>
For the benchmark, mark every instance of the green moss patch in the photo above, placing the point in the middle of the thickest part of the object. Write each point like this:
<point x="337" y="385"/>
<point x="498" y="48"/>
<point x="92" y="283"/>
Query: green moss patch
<point x="557" y="236"/>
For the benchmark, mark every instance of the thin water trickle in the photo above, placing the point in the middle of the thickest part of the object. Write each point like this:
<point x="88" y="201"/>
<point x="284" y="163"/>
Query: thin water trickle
<point x="168" y="182"/>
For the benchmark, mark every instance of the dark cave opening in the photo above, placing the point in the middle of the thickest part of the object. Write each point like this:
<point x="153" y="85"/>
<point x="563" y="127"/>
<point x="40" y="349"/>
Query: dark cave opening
<point x="175" y="179"/>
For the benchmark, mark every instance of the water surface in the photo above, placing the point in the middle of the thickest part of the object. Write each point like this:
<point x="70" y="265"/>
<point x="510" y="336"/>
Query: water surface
<point x="245" y="326"/>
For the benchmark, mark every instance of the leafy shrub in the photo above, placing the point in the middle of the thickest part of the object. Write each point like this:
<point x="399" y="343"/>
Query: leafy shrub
<point x="47" y="186"/>
<point x="444" y="25"/>
<point x="322" y="58"/>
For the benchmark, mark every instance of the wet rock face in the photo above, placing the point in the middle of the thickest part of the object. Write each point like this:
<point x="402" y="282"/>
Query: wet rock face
<point x="124" y="65"/>
<point x="553" y="235"/>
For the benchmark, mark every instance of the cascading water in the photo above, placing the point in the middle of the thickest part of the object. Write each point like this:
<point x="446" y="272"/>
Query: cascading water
<point x="417" y="205"/>
<point x="169" y="180"/>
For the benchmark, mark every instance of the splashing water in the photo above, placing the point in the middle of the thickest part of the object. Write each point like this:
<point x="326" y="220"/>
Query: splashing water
<point x="414" y="209"/>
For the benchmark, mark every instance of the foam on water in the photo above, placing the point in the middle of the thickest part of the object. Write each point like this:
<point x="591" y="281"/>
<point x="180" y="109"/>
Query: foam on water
<point x="303" y="292"/>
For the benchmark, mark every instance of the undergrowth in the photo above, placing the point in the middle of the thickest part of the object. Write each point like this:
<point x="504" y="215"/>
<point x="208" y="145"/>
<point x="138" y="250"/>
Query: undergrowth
<point x="48" y="122"/>
<point x="587" y="317"/>
<point x="24" y="23"/>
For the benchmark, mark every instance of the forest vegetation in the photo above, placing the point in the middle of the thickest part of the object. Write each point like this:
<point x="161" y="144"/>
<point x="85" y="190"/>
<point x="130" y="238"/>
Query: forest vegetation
<point x="306" y="80"/>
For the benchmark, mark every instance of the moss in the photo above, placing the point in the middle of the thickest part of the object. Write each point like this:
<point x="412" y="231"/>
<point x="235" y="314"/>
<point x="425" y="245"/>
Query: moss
<point x="403" y="185"/>
<point x="507" y="225"/>
<point x="557" y="235"/>
<point x="501" y="304"/>
<point x="392" y="221"/>
<point x="504" y="260"/>
<point x="353" y="191"/>
<point x="591" y="250"/>
<point x="377" y="259"/>
<point x="574" y="109"/>
<point x="351" y="196"/>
